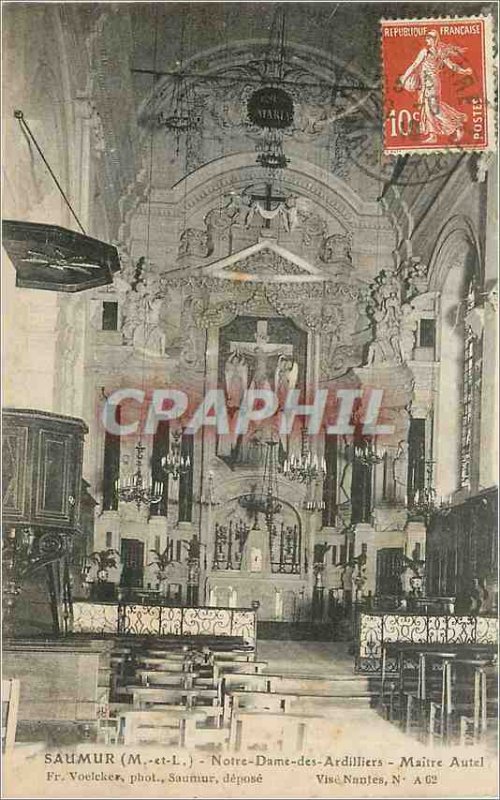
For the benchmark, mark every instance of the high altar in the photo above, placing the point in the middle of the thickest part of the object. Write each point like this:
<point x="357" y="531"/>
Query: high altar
<point x="245" y="298"/>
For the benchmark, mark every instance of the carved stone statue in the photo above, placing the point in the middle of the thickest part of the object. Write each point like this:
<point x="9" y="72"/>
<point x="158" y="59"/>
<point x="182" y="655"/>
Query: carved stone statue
<point x="285" y="377"/>
<point x="143" y="302"/>
<point x="218" y="221"/>
<point x="335" y="248"/>
<point x="384" y="307"/>
<point x="236" y="375"/>
<point x="409" y="326"/>
<point x="414" y="275"/>
<point x="313" y="228"/>
<point x="194" y="242"/>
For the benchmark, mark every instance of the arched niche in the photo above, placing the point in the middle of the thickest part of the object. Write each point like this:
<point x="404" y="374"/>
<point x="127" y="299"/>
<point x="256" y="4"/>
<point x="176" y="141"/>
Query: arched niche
<point x="239" y="533"/>
<point x="455" y="268"/>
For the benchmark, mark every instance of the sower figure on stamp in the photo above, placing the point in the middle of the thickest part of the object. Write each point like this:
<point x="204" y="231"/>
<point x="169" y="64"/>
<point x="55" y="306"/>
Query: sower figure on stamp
<point x="437" y="118"/>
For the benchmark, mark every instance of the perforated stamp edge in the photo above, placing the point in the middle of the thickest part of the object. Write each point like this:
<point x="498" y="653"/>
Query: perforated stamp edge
<point x="490" y="84"/>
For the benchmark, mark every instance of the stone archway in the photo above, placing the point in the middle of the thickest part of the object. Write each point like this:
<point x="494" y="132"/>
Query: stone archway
<point x="454" y="272"/>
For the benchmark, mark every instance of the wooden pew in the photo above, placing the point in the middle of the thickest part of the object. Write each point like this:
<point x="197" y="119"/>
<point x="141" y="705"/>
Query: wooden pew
<point x="168" y="725"/>
<point x="140" y="727"/>
<point x="165" y="665"/>
<point x="208" y="738"/>
<point x="213" y="713"/>
<point x="119" y="660"/>
<point x="171" y="655"/>
<point x="448" y="686"/>
<point x="230" y="667"/>
<point x="254" y="701"/>
<point x="166" y="679"/>
<point x="263" y="731"/>
<point x="143" y="696"/>
<point x="233" y="655"/>
<point x="10" y="705"/>
<point x="319" y="705"/>
<point x="152" y="662"/>
<point x="240" y="681"/>
<point x="286" y="684"/>
<point x="339" y="687"/>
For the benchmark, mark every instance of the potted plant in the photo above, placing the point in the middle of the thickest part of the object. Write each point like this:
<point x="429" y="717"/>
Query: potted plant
<point x="162" y="560"/>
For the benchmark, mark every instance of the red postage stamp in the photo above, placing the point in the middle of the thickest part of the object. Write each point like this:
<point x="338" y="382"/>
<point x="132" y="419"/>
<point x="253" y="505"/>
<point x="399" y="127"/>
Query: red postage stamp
<point x="438" y="85"/>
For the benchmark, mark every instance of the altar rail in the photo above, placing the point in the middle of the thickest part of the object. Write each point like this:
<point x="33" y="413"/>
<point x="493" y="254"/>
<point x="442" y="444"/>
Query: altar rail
<point x="156" y="620"/>
<point x="375" y="630"/>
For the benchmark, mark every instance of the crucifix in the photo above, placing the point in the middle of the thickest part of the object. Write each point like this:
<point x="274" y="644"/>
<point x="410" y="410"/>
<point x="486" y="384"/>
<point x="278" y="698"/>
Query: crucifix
<point x="261" y="350"/>
<point x="255" y="375"/>
<point x="268" y="197"/>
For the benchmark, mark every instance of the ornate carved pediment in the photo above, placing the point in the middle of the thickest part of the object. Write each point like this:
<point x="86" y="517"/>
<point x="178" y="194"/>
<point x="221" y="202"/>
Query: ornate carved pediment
<point x="265" y="262"/>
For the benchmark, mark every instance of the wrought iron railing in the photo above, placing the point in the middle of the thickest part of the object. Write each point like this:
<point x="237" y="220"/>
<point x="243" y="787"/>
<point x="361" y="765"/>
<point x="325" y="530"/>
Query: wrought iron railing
<point x="160" y="620"/>
<point x="376" y="630"/>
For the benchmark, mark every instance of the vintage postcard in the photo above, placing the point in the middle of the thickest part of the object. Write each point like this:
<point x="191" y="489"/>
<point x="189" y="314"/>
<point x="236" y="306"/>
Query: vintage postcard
<point x="250" y="400"/>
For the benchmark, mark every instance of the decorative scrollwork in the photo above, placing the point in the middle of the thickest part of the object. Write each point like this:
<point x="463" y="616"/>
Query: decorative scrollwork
<point x="370" y="636"/>
<point x="399" y="628"/>
<point x="486" y="630"/>
<point x="378" y="630"/>
<point x="50" y="546"/>
<point x="461" y="630"/>
<point x="243" y="624"/>
<point x="437" y="630"/>
<point x="207" y="621"/>
<point x="95" y="618"/>
<point x="143" y="620"/>
<point x="151" y="620"/>
<point x="171" y="621"/>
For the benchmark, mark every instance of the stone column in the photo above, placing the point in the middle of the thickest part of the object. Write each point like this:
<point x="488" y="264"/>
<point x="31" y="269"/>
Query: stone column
<point x="488" y="466"/>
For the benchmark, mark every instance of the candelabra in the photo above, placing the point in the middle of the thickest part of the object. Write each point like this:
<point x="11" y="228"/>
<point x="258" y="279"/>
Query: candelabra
<point x="424" y="503"/>
<point x="181" y="117"/>
<point x="270" y="152"/>
<point x="208" y="497"/>
<point x="285" y="547"/>
<point x="226" y="555"/>
<point x="259" y="503"/>
<point x="265" y="501"/>
<point x="366" y="454"/>
<point x="313" y="505"/>
<point x="174" y="464"/>
<point x="137" y="488"/>
<point x="304" y="468"/>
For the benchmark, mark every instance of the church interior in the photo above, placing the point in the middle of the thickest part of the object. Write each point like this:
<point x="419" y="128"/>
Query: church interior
<point x="197" y="205"/>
